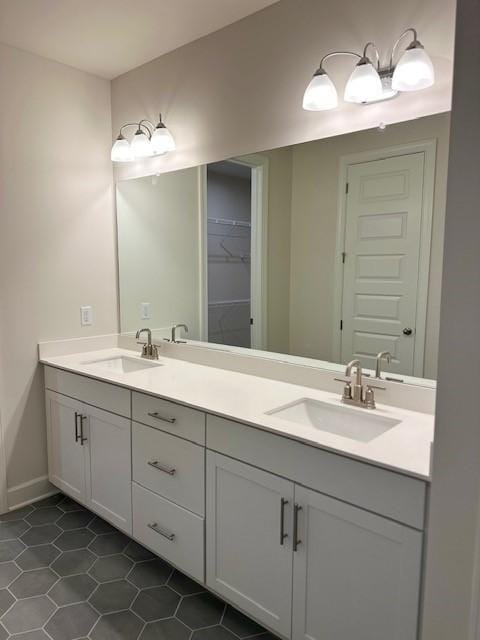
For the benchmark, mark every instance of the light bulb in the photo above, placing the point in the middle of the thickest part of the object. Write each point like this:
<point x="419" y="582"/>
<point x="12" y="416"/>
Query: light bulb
<point x="364" y="85"/>
<point x="320" y="94"/>
<point x="121" y="150"/>
<point x="141" y="146"/>
<point x="162" y="140"/>
<point x="414" y="70"/>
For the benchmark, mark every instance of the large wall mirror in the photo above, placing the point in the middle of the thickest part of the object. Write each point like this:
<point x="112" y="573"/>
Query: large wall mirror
<point x="328" y="250"/>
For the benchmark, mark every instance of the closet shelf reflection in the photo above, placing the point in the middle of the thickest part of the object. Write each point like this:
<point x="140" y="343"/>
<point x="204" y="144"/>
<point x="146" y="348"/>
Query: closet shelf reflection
<point x="230" y="223"/>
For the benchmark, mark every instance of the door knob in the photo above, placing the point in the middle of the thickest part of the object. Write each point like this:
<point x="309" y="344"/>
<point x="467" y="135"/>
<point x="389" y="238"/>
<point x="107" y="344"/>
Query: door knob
<point x="407" y="331"/>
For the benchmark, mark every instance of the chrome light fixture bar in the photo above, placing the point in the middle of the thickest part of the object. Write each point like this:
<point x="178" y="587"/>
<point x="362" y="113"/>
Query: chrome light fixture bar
<point x="148" y="140"/>
<point x="369" y="81"/>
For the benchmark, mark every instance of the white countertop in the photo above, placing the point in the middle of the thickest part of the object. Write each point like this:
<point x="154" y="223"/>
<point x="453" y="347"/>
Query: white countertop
<point x="405" y="448"/>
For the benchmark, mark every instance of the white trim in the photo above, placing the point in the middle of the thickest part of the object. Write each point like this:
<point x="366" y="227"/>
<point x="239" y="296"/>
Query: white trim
<point x="3" y="471"/>
<point x="259" y="238"/>
<point x="30" y="491"/>
<point x="429" y="148"/>
<point x="203" y="252"/>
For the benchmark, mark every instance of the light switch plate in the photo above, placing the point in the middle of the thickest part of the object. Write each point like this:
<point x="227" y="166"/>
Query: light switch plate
<point x="86" y="316"/>
<point x="145" y="307"/>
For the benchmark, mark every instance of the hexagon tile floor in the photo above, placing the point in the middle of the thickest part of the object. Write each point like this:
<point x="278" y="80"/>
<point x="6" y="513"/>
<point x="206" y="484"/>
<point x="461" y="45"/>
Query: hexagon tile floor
<point x="66" y="574"/>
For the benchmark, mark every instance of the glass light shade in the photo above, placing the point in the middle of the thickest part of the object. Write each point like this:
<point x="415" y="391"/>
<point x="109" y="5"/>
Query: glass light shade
<point x="121" y="151"/>
<point x="141" y="146"/>
<point x="364" y="85"/>
<point x="162" y="141"/>
<point x="414" y="71"/>
<point x="320" y="94"/>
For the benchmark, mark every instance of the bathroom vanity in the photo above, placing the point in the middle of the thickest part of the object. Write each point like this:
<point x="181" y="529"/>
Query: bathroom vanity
<point x="307" y="515"/>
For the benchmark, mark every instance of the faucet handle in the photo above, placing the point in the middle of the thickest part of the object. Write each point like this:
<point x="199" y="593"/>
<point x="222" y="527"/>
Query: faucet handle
<point x="344" y="380"/>
<point x="375" y="386"/>
<point x="347" y="389"/>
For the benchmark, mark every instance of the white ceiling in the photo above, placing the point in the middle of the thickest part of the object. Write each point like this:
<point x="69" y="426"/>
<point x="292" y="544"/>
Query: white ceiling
<point x="110" y="37"/>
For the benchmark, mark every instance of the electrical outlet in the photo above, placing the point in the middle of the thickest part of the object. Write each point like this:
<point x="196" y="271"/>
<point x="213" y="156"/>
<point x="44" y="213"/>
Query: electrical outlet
<point x="86" y="316"/>
<point x="145" y="310"/>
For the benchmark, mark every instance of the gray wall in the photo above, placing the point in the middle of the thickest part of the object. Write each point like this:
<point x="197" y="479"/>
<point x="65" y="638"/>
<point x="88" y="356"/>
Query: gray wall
<point x="57" y="248"/>
<point x="452" y="578"/>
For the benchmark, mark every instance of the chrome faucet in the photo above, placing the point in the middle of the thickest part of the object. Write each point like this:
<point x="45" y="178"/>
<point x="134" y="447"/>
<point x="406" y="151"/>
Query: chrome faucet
<point x="174" y="333"/>
<point x="149" y="350"/>
<point x="357" y="393"/>
<point x="383" y="354"/>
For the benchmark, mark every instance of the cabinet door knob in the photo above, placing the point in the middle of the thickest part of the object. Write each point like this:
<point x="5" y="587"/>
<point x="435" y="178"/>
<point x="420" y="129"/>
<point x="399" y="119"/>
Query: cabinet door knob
<point x="407" y="331"/>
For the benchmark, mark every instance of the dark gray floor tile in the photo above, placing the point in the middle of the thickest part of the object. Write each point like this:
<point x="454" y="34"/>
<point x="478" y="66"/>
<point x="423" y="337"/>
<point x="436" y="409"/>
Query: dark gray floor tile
<point x="32" y="635"/>
<point x="183" y="585"/>
<point x="169" y="629"/>
<point x="33" y="583"/>
<point x="239" y="624"/>
<point x="75" y="520"/>
<point x="37" y="557"/>
<point x="67" y="504"/>
<point x="8" y="572"/>
<point x="17" y="514"/>
<point x="14" y="529"/>
<point x="155" y="603"/>
<point x="3" y="633"/>
<point x="51" y="501"/>
<point x="98" y="525"/>
<point x="10" y="549"/>
<point x="109" y="543"/>
<point x="113" y="596"/>
<point x="6" y="601"/>
<point x="213" y="633"/>
<point x="76" y="539"/>
<point x="138" y="553"/>
<point x="202" y="610"/>
<point x="44" y="516"/>
<point x="71" y="562"/>
<point x="117" y="626"/>
<point x="111" y="568"/>
<point x="28" y="614"/>
<point x="72" y="589"/>
<point x="151" y="573"/>
<point x="71" y="622"/>
<point x="41" y="535"/>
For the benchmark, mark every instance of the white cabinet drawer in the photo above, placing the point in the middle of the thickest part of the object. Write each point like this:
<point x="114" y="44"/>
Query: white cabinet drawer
<point x="99" y="394"/>
<point x="169" y="416"/>
<point x="177" y="535"/>
<point x="384" y="492"/>
<point x="170" y="466"/>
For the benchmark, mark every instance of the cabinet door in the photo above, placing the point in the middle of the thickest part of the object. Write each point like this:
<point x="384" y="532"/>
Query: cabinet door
<point x="356" y="575"/>
<point x="66" y="455"/>
<point x="247" y="562"/>
<point x="109" y="475"/>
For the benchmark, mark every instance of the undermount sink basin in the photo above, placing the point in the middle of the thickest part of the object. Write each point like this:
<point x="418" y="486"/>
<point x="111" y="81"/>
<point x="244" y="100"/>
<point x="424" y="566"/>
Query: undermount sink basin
<point x="123" y="364"/>
<point x="362" y="425"/>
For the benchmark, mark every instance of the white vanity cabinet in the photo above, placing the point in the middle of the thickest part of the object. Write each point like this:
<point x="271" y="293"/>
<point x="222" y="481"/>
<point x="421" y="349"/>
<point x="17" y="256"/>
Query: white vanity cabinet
<point x="89" y="449"/>
<point x="307" y="565"/>
<point x="249" y="542"/>
<point x="355" y="574"/>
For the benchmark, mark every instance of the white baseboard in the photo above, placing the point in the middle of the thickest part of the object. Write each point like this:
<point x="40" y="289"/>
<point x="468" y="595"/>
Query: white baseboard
<point x="28" y="492"/>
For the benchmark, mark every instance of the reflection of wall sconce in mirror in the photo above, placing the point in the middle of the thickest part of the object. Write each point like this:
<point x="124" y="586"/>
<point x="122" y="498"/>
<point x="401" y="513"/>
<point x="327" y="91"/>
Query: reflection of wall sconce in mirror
<point x="369" y="81"/>
<point x="149" y="140"/>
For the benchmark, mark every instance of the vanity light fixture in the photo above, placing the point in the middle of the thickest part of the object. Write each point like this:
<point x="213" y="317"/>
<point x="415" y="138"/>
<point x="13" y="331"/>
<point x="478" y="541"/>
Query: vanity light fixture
<point x="148" y="140"/>
<point x="369" y="81"/>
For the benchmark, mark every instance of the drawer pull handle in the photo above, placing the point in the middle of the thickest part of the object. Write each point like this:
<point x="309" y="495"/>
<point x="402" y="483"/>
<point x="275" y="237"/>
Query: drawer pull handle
<point x="296" y="510"/>
<point x="154" y="527"/>
<point x="156" y="465"/>
<point x="157" y="416"/>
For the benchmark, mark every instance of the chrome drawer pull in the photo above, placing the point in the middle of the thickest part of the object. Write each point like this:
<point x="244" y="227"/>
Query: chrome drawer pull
<point x="156" y="465"/>
<point x="154" y="527"/>
<point x="157" y="416"/>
